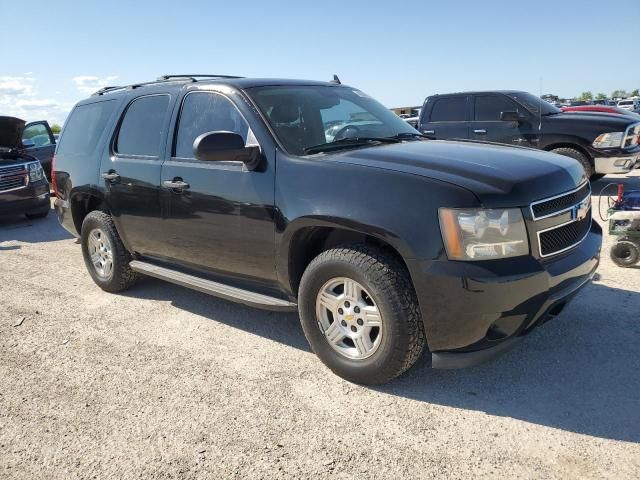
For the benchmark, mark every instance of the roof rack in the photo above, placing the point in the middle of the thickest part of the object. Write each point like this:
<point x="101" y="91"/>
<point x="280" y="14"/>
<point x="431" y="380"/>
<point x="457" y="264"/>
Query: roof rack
<point x="163" y="78"/>
<point x="195" y="77"/>
<point x="106" y="89"/>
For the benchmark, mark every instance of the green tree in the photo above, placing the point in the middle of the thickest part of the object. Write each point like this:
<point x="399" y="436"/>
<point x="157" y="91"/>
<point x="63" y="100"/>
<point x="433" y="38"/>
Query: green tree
<point x="55" y="128"/>
<point x="618" y="94"/>
<point x="601" y="96"/>
<point x="635" y="93"/>
<point x="584" y="96"/>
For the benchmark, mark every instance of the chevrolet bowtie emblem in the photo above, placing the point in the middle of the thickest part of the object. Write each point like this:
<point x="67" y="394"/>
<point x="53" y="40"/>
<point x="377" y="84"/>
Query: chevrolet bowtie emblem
<point x="348" y="317"/>
<point x="580" y="211"/>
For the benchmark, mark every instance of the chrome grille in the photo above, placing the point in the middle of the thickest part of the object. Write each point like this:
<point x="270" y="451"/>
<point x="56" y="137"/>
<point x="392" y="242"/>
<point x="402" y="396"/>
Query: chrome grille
<point x="560" y="203"/>
<point x="561" y="238"/>
<point x="13" y="177"/>
<point x="566" y="220"/>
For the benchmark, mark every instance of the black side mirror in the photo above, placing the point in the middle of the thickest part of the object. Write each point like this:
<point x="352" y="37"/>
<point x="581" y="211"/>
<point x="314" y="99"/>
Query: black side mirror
<point x="225" y="146"/>
<point x="28" y="143"/>
<point x="511" y="116"/>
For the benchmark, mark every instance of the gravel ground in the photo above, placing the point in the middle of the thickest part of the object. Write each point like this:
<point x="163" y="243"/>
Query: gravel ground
<point x="164" y="382"/>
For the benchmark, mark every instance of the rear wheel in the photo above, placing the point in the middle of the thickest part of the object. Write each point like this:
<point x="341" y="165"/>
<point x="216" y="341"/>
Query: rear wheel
<point x="104" y="254"/>
<point x="625" y="253"/>
<point x="360" y="314"/>
<point x="579" y="156"/>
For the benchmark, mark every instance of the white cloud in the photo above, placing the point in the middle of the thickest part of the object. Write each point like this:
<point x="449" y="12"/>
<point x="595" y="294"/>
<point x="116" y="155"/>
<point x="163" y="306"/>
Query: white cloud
<point x="19" y="98"/>
<point x="10" y="86"/>
<point x="88" y="84"/>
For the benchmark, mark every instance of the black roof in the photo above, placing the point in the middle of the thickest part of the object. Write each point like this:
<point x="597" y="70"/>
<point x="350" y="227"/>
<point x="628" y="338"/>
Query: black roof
<point x="237" y="82"/>
<point x="506" y="92"/>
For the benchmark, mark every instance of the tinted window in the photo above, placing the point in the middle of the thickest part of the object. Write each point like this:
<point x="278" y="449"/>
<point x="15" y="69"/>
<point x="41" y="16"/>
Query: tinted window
<point x="141" y="129"/>
<point x="38" y="134"/>
<point x="452" y="109"/>
<point x="204" y="112"/>
<point x="489" y="107"/>
<point x="84" y="127"/>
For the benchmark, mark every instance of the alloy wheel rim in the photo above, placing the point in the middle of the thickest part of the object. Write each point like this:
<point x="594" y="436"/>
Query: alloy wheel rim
<point x="101" y="253"/>
<point x="349" y="318"/>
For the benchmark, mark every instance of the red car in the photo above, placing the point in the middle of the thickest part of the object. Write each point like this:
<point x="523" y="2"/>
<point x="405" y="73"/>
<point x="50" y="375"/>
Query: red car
<point x="599" y="108"/>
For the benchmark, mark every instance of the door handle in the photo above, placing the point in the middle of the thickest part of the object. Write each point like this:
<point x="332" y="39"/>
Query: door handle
<point x="111" y="176"/>
<point x="480" y="131"/>
<point x="429" y="132"/>
<point x="175" y="184"/>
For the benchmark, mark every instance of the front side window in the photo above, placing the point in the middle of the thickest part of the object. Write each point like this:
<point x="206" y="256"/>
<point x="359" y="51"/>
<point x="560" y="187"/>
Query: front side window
<point x="141" y="128"/>
<point x="488" y="108"/>
<point x="453" y="109"/>
<point x="304" y="117"/>
<point x="204" y="112"/>
<point x="38" y="134"/>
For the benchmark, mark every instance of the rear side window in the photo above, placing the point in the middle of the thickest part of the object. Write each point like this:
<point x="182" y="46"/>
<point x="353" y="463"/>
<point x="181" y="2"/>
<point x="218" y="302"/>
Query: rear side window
<point x="452" y="109"/>
<point x="204" y="112"/>
<point x="141" y="128"/>
<point x="489" y="107"/>
<point x="84" y="127"/>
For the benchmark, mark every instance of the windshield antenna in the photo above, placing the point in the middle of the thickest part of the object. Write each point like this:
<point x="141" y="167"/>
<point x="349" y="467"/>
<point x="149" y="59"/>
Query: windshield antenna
<point x="336" y="80"/>
<point x="540" y="107"/>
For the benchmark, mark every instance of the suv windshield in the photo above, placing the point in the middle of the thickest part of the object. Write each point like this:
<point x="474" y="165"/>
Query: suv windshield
<point x="310" y="119"/>
<point x="534" y="104"/>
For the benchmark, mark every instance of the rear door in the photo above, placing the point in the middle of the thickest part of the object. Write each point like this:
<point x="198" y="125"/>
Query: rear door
<point x="41" y="143"/>
<point x="447" y="118"/>
<point x="130" y="172"/>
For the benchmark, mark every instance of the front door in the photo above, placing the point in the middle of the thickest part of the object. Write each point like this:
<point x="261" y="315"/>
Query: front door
<point x="130" y="172"/>
<point x="221" y="216"/>
<point x="40" y="143"/>
<point x="487" y="125"/>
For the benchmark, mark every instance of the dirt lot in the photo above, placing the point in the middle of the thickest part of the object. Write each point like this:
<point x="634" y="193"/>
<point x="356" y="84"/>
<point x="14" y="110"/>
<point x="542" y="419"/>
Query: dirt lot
<point x="164" y="382"/>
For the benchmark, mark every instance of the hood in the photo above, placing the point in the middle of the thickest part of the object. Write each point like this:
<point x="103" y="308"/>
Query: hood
<point x="11" y="132"/>
<point x="500" y="176"/>
<point x="601" y="121"/>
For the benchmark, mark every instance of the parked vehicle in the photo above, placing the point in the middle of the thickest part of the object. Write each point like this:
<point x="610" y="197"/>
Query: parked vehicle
<point x="24" y="190"/>
<point x="601" y="143"/>
<point x="601" y="109"/>
<point x="631" y="104"/>
<point x="384" y="241"/>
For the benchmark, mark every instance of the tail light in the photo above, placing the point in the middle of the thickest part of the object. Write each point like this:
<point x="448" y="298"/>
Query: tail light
<point x="54" y="185"/>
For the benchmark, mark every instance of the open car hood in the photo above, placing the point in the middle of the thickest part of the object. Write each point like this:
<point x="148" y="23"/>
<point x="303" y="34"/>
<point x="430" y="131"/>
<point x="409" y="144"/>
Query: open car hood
<point x="11" y="132"/>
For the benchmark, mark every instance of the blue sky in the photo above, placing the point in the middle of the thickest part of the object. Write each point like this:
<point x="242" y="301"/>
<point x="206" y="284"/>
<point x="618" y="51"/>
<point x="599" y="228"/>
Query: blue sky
<point x="398" y="52"/>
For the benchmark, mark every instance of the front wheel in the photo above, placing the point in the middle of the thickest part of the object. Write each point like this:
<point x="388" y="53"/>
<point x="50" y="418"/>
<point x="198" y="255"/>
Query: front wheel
<point x="360" y="314"/>
<point x="580" y="157"/>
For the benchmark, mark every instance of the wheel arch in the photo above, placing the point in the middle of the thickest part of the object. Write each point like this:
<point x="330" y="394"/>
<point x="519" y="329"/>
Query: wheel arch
<point x="572" y="145"/>
<point x="84" y="201"/>
<point x="307" y="238"/>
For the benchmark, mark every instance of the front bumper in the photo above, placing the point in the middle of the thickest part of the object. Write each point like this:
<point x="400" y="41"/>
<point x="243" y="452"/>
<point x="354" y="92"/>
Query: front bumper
<point x="474" y="311"/>
<point x="615" y="160"/>
<point x="31" y="199"/>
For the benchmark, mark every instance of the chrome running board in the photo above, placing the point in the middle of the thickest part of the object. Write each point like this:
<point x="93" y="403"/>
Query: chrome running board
<point x="221" y="290"/>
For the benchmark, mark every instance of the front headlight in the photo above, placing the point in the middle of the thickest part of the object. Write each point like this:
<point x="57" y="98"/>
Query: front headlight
<point x="483" y="234"/>
<point x="609" y="140"/>
<point x="35" y="171"/>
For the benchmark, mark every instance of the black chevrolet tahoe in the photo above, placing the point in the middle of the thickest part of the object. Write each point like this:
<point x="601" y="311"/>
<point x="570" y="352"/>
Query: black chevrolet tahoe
<point x="603" y="143"/>
<point x="386" y="242"/>
<point x="24" y="190"/>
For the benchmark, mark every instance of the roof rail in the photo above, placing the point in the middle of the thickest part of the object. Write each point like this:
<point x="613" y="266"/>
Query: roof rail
<point x="195" y="77"/>
<point x="105" y="89"/>
<point x="163" y="78"/>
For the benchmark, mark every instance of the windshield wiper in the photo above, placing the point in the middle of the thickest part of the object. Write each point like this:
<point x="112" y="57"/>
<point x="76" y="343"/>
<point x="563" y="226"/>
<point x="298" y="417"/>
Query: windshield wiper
<point x="350" y="142"/>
